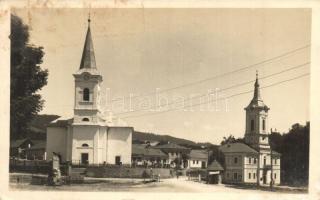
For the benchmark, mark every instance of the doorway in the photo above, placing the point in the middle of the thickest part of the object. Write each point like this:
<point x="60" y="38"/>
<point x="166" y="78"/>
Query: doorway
<point x="118" y="160"/>
<point x="84" y="158"/>
<point x="264" y="178"/>
<point x="203" y="164"/>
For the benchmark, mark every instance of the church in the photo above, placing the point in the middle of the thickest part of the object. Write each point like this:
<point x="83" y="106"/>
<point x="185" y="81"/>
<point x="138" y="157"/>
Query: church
<point x="88" y="138"/>
<point x="252" y="161"/>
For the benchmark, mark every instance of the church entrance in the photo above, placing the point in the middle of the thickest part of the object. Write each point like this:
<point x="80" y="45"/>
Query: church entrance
<point x="84" y="158"/>
<point x="118" y="160"/>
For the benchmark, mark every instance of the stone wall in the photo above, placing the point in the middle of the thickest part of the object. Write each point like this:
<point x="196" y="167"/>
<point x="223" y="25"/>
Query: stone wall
<point x="126" y="172"/>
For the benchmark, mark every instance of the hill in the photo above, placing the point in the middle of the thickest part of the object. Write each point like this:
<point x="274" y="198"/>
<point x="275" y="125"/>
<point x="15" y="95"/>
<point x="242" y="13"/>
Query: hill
<point x="37" y="127"/>
<point x="141" y="137"/>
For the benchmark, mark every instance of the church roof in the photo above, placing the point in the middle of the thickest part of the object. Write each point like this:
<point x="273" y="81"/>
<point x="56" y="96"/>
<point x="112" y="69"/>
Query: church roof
<point x="257" y="101"/>
<point x="88" y="60"/>
<point x="237" y="148"/>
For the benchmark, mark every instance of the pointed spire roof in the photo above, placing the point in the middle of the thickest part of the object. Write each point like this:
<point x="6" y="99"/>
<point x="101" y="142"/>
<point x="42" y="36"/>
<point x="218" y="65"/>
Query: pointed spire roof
<point x="88" y="59"/>
<point x="257" y="100"/>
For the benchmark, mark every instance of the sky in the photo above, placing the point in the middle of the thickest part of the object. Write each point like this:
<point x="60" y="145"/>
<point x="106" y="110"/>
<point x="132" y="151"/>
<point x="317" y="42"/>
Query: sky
<point x="145" y="52"/>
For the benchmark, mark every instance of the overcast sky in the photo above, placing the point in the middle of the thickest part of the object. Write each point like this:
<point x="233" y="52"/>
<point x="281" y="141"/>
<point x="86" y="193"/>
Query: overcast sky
<point x="140" y="50"/>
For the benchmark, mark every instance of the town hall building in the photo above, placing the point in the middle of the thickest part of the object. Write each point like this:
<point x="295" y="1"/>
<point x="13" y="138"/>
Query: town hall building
<point x="252" y="161"/>
<point x="88" y="138"/>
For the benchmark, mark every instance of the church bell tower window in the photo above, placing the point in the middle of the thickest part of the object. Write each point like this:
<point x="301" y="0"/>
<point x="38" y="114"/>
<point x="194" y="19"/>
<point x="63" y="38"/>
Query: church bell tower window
<point x="86" y="94"/>
<point x="264" y="124"/>
<point x="252" y="125"/>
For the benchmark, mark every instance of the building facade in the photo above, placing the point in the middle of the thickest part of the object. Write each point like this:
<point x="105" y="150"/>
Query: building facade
<point x="198" y="159"/>
<point x="252" y="161"/>
<point x="88" y="138"/>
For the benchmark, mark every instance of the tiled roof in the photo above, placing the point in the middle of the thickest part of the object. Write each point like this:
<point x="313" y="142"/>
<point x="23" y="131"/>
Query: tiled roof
<point x="39" y="145"/>
<point x="170" y="146"/>
<point x="142" y="150"/>
<point x="237" y="148"/>
<point x="215" y="166"/>
<point x="18" y="143"/>
<point x="200" y="154"/>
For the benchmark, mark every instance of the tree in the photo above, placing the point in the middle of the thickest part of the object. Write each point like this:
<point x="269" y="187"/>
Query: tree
<point x="294" y="149"/>
<point x="27" y="78"/>
<point x="231" y="139"/>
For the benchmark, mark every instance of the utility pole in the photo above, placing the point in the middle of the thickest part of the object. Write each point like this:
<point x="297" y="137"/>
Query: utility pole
<point x="258" y="169"/>
<point x="271" y="158"/>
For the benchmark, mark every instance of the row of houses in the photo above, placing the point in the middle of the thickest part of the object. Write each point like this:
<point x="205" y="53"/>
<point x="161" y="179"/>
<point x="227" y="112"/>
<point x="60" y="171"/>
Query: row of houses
<point x="169" y="155"/>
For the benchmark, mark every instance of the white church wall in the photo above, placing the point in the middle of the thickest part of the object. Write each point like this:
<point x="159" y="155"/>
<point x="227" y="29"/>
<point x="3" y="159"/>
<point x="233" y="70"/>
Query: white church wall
<point x="119" y="144"/>
<point x="56" y="142"/>
<point x="83" y="134"/>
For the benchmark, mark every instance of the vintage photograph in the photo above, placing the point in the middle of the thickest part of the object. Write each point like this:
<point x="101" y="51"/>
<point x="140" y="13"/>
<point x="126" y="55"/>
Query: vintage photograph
<point x="160" y="99"/>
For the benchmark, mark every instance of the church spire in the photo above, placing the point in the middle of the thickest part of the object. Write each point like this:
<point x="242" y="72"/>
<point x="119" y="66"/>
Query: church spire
<point x="256" y="96"/>
<point x="257" y="100"/>
<point x="88" y="59"/>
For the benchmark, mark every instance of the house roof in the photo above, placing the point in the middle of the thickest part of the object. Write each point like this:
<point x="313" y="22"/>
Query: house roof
<point x="199" y="154"/>
<point x="142" y="150"/>
<point x="237" y="148"/>
<point x="171" y="146"/>
<point x="18" y="143"/>
<point x="215" y="166"/>
<point x="39" y="145"/>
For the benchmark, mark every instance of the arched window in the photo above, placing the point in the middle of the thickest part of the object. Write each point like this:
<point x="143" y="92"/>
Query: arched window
<point x="85" y="119"/>
<point x="264" y="124"/>
<point x="252" y="125"/>
<point x="85" y="145"/>
<point x="86" y="94"/>
<point x="264" y="160"/>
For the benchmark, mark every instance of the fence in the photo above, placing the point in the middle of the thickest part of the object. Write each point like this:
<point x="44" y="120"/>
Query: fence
<point x="126" y="172"/>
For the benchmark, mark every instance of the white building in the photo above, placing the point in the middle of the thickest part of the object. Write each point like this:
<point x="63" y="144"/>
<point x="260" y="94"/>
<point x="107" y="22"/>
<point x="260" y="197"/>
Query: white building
<point x="88" y="138"/>
<point x="253" y="160"/>
<point x="198" y="159"/>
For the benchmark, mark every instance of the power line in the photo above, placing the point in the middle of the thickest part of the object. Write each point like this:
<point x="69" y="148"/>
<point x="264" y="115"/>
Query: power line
<point x="231" y="96"/>
<point x="224" y="89"/>
<point x="221" y="75"/>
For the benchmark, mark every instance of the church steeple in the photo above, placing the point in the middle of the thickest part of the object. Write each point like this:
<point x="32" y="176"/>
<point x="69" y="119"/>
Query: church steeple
<point x="257" y="100"/>
<point x="256" y="95"/>
<point x="88" y="59"/>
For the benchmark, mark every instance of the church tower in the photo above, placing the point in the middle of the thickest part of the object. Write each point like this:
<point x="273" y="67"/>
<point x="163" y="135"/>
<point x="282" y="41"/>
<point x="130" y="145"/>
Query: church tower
<point x="257" y="121"/>
<point x="87" y="86"/>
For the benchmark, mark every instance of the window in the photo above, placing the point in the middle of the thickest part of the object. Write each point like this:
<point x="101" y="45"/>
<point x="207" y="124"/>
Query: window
<point x="254" y="175"/>
<point x="85" y="119"/>
<point x="275" y="161"/>
<point x="194" y="161"/>
<point x="235" y="160"/>
<point x="86" y="94"/>
<point x="85" y="145"/>
<point x="264" y="124"/>
<point x="227" y="175"/>
<point x="252" y="125"/>
<point x="275" y="176"/>
<point x="255" y="161"/>
<point x="249" y="160"/>
<point x="249" y="175"/>
<point x="197" y="161"/>
<point x="264" y="160"/>
<point x="235" y="176"/>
